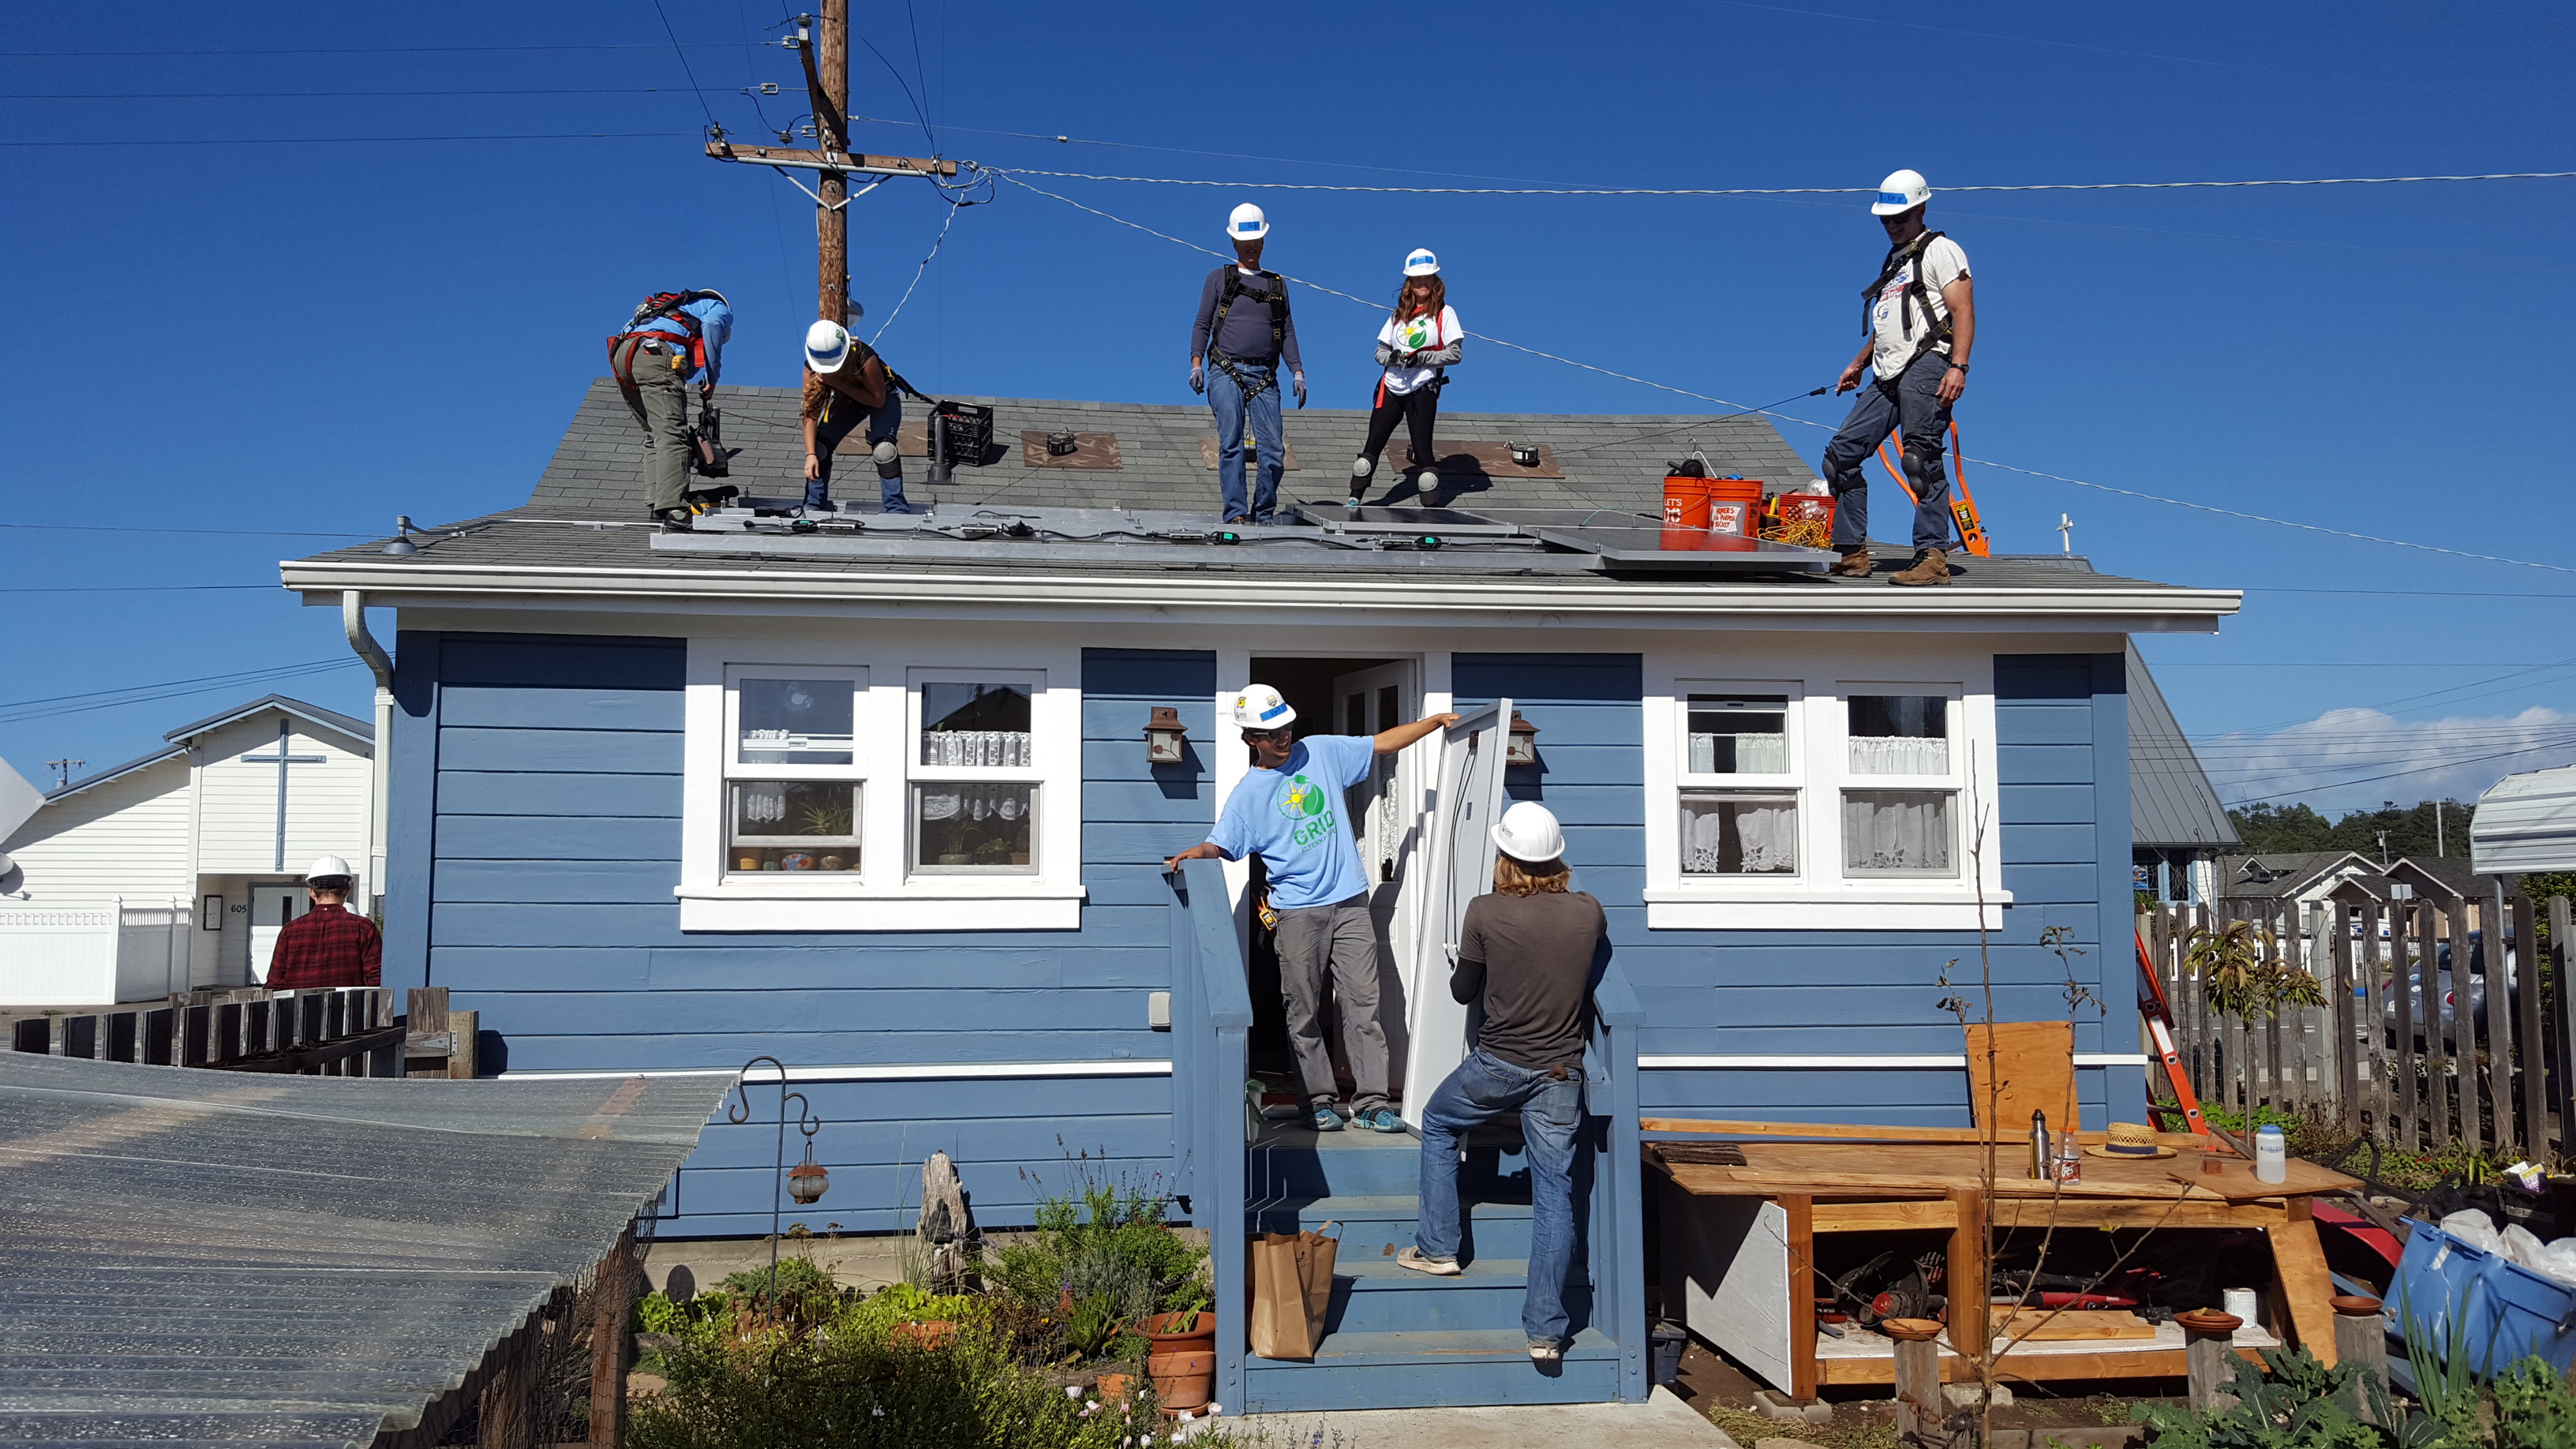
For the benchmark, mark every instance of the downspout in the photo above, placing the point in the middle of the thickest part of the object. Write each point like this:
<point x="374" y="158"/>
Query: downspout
<point x="353" y="622"/>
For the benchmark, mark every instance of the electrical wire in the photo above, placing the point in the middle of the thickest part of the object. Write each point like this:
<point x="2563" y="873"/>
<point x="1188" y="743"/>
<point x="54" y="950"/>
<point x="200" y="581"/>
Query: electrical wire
<point x="685" y="68"/>
<point x="2398" y="774"/>
<point x="1013" y="177"/>
<point x="922" y="115"/>
<point x="950" y="220"/>
<point x="335" y="50"/>
<point x="21" y="711"/>
<point x="1782" y="190"/>
<point x="360" y="140"/>
<point x="234" y="532"/>
<point x="332" y="95"/>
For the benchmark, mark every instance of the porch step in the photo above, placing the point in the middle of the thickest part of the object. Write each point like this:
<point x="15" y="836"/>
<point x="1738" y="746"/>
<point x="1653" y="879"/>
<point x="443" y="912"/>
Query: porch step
<point x="1373" y="1224"/>
<point x="1432" y="1368"/>
<point x="1373" y="1296"/>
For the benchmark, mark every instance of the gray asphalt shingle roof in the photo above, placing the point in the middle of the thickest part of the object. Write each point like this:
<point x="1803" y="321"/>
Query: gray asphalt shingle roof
<point x="587" y="506"/>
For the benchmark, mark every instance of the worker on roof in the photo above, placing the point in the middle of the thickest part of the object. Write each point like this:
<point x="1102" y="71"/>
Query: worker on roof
<point x="846" y="385"/>
<point x="329" y="945"/>
<point x="1525" y="956"/>
<point x="1920" y="318"/>
<point x="1284" y="812"/>
<point x="1416" y="347"/>
<point x="1241" y="335"/>
<point x="674" y="339"/>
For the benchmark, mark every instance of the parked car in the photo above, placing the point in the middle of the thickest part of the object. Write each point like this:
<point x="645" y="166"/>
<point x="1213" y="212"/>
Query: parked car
<point x="2418" y="1017"/>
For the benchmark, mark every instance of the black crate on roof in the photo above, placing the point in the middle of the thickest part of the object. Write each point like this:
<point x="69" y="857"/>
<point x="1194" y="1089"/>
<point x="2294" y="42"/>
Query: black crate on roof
<point x="965" y="429"/>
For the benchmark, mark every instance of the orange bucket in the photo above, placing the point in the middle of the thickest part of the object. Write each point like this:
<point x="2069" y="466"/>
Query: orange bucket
<point x="1685" y="501"/>
<point x="1734" y="505"/>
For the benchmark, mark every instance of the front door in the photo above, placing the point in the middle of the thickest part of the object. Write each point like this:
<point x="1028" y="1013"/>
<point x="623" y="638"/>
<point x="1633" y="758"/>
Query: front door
<point x="271" y="907"/>
<point x="1456" y="866"/>
<point x="1380" y="810"/>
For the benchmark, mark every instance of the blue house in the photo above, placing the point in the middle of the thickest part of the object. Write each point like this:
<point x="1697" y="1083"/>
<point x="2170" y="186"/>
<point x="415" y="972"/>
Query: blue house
<point x="876" y="797"/>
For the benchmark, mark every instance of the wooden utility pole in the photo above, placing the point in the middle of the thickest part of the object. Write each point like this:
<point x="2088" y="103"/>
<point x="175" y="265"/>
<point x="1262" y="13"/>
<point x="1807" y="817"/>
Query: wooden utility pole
<point x="832" y="218"/>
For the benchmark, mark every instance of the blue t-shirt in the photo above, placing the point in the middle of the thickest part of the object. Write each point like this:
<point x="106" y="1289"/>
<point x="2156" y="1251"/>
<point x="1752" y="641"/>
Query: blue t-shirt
<point x="1292" y="818"/>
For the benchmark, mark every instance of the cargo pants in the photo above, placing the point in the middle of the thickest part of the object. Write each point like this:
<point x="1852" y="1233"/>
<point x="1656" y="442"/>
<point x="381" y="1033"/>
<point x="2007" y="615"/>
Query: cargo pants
<point x="659" y="398"/>
<point x="1336" y="942"/>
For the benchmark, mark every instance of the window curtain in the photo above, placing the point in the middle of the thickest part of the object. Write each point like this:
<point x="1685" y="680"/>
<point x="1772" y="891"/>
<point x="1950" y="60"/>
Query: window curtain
<point x="1899" y="755"/>
<point x="1008" y="749"/>
<point x="1764" y="754"/>
<point x="1897" y="830"/>
<point x="953" y="799"/>
<point x="1747" y="837"/>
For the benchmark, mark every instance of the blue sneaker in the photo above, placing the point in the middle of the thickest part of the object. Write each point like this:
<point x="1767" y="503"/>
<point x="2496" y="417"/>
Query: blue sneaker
<point x="1327" y="1120"/>
<point x="1381" y="1120"/>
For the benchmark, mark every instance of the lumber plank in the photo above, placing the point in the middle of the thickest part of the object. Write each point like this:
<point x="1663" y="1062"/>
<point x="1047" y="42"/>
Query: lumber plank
<point x="2072" y="1324"/>
<point x="2299" y="1267"/>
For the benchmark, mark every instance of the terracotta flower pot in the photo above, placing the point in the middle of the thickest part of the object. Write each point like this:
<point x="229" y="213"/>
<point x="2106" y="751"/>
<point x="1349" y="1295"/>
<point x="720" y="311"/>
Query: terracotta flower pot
<point x="2209" y="1320"/>
<point x="1113" y="1388"/>
<point x="1183" y="1380"/>
<point x="1910" y="1330"/>
<point x="932" y="1336"/>
<point x="1164" y="1332"/>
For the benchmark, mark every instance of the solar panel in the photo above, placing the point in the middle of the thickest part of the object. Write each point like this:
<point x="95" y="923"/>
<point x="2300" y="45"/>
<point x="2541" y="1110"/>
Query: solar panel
<point x="1693" y="548"/>
<point x="1447" y="522"/>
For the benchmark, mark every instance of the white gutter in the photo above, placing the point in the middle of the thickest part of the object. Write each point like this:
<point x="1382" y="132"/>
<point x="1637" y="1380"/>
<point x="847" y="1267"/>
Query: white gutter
<point x="1159" y="592"/>
<point x="353" y="622"/>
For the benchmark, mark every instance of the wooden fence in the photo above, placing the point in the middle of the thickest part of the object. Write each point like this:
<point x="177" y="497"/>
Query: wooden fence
<point x="2493" y="1075"/>
<point x="337" y="1032"/>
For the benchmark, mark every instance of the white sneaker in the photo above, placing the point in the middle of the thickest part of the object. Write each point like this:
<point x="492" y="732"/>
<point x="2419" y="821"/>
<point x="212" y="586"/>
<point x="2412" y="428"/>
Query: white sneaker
<point x="1421" y="1262"/>
<point x="1546" y="1353"/>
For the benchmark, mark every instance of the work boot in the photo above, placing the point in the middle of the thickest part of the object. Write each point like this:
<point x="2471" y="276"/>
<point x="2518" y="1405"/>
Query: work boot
<point x="1854" y="564"/>
<point x="674" y="520"/>
<point x="1932" y="566"/>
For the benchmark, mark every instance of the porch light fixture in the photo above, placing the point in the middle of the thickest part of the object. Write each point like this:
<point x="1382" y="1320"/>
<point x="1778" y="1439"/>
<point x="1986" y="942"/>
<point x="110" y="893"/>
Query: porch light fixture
<point x="1523" y="749"/>
<point x="807" y="1181"/>
<point x="1165" y="738"/>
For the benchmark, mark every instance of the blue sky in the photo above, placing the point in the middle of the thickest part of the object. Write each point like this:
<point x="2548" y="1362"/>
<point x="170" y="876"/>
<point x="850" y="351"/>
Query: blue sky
<point x="293" y="336"/>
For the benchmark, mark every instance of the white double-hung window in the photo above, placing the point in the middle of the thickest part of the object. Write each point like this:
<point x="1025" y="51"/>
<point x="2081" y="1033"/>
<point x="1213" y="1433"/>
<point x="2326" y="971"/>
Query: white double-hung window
<point x="1816" y="801"/>
<point x="849" y="787"/>
<point x="1900" y="799"/>
<point x="1738" y="796"/>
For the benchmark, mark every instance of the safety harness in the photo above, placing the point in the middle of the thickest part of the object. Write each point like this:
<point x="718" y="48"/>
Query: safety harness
<point x="1917" y="296"/>
<point x="1277" y="297"/>
<point x="662" y="306"/>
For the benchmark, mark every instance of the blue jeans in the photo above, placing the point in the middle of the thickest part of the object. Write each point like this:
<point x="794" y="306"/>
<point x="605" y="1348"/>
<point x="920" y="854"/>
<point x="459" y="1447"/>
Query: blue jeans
<point x="1483" y="1088"/>
<point x="841" y="417"/>
<point x="1911" y="407"/>
<point x="1225" y="397"/>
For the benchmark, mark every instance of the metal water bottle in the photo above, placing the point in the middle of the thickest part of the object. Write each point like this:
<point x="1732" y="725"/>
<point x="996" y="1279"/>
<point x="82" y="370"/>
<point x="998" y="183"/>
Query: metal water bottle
<point x="2042" y="1160"/>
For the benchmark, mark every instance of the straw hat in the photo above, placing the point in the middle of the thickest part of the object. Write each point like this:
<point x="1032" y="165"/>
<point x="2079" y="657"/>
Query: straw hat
<point x="2130" y="1139"/>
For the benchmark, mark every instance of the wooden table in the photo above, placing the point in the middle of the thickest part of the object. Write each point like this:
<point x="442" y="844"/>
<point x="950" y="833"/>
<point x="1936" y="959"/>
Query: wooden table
<point x="1845" y="1186"/>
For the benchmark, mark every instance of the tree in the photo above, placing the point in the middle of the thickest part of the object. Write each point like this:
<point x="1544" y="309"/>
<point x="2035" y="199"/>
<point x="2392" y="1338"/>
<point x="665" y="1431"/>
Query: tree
<point x="2276" y="829"/>
<point x="2423" y="829"/>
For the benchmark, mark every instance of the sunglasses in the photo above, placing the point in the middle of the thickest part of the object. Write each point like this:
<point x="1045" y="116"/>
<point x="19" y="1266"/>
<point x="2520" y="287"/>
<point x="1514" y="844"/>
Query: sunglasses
<point x="1258" y="736"/>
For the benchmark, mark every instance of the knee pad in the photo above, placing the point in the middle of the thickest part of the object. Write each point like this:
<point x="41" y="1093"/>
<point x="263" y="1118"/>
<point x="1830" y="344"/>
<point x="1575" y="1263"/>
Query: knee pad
<point x="1362" y="467"/>
<point x="1919" y="466"/>
<point x="884" y="453"/>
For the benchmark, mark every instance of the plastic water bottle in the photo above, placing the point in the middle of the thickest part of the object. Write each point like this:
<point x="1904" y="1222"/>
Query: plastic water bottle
<point x="2271" y="1155"/>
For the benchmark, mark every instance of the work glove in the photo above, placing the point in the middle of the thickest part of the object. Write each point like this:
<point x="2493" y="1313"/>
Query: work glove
<point x="1301" y="387"/>
<point x="1198" y="378"/>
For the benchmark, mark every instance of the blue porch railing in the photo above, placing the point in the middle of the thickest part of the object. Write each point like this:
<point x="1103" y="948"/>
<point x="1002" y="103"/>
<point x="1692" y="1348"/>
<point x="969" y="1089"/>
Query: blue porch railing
<point x="1211" y="1012"/>
<point x="1618" y="1206"/>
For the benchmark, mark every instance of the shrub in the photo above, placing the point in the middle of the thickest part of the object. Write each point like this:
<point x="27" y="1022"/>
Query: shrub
<point x="1107" y="1251"/>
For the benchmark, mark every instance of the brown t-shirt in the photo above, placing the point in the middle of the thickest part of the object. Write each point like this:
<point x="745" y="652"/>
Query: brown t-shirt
<point x="1531" y="957"/>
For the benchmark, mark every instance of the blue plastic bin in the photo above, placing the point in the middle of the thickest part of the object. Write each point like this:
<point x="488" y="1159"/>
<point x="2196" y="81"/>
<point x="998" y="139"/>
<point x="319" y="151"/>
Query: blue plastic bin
<point x="2506" y="1311"/>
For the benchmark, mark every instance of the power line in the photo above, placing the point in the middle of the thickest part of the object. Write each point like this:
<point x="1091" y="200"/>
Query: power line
<point x="1013" y="177"/>
<point x="685" y="68"/>
<point x="334" y="95"/>
<point x="1785" y="190"/>
<point x="362" y="140"/>
<point x="954" y="207"/>
<point x="2396" y="774"/>
<point x="21" y="711"/>
<point x="336" y="50"/>
<point x="233" y="532"/>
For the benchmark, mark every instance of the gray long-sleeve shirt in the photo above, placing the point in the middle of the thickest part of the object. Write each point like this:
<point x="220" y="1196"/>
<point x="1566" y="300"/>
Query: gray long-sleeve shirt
<point x="1246" y="337"/>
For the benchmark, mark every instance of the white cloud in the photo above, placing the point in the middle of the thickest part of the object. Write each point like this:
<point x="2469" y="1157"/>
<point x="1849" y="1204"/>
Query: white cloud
<point x="2336" y="761"/>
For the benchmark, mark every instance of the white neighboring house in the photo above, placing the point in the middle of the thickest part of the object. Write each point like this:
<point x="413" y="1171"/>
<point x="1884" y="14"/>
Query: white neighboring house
<point x="177" y="869"/>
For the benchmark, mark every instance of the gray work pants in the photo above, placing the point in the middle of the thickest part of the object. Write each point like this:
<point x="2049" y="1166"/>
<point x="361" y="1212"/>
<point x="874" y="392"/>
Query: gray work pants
<point x="1911" y="407"/>
<point x="1339" y="939"/>
<point x="659" y="398"/>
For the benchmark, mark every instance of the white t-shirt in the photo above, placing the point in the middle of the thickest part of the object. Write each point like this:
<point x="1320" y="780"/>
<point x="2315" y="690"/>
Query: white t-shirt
<point x="1942" y="263"/>
<point x="1417" y="334"/>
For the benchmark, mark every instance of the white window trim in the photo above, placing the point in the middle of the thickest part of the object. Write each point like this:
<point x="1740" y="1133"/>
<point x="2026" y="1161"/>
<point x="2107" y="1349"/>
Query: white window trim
<point x="882" y="896"/>
<point x="1955" y="783"/>
<point x="1820" y="897"/>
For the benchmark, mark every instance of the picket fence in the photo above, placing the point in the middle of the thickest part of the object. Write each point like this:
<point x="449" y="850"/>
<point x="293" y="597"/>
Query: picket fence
<point x="2493" y="1077"/>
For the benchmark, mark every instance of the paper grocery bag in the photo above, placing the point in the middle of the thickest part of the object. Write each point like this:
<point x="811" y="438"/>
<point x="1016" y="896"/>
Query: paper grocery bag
<point x="1292" y="1288"/>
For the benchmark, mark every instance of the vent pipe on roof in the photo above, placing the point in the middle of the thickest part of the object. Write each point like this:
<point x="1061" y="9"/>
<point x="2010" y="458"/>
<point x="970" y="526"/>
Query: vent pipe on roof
<point x="353" y="622"/>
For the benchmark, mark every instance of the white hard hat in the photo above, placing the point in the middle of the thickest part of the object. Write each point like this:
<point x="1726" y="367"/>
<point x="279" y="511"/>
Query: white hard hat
<point x="1528" y="831"/>
<point x="1901" y="191"/>
<point x="1259" y="707"/>
<point x="1421" y="263"/>
<point x="1247" y="224"/>
<point x="827" y="346"/>
<point x="327" y="867"/>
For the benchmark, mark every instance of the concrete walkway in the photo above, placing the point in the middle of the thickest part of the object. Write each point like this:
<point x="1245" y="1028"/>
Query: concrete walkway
<point x="1662" y="1422"/>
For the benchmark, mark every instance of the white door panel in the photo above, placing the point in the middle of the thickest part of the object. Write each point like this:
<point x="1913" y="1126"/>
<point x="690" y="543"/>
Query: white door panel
<point x="271" y="907"/>
<point x="1455" y="865"/>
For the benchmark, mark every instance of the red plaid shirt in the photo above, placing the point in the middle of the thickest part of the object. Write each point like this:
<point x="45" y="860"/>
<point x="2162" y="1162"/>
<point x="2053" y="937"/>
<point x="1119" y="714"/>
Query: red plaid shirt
<point x="327" y="946"/>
